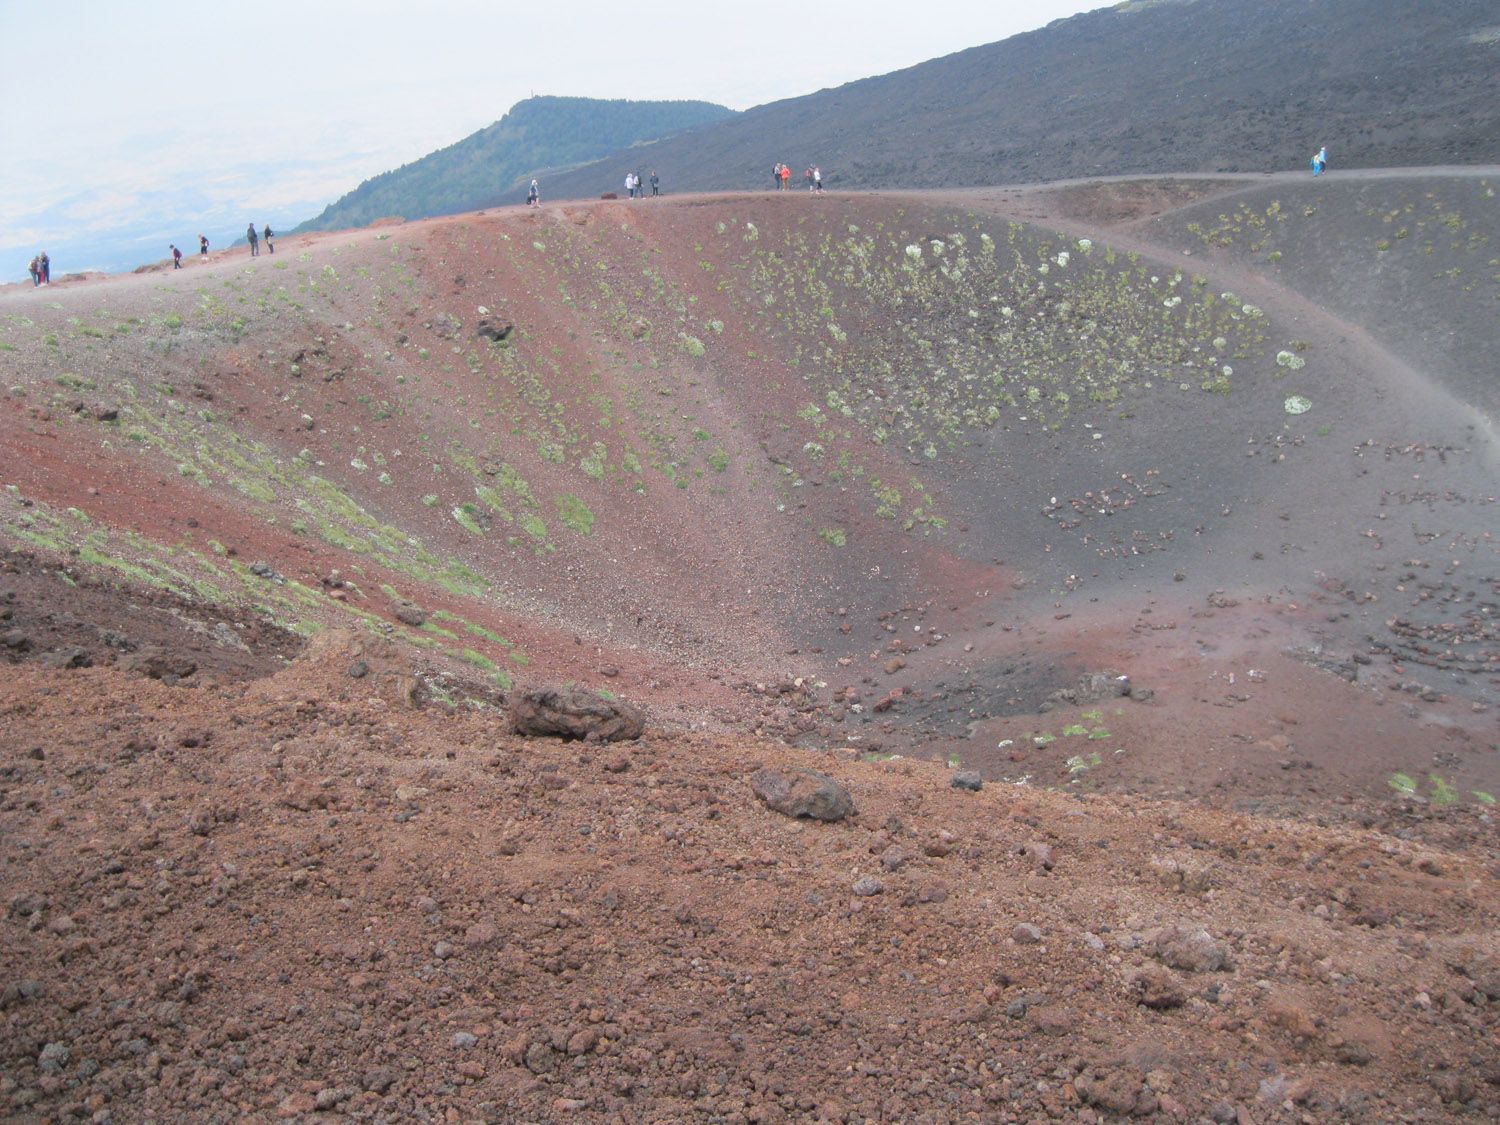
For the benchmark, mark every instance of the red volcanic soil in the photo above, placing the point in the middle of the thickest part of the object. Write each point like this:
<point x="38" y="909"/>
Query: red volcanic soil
<point x="255" y="876"/>
<point x="299" y="897"/>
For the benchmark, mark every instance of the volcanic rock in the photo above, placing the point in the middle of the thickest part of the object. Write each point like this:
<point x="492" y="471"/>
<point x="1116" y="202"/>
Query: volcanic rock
<point x="802" y="793"/>
<point x="1157" y="988"/>
<point x="409" y="613"/>
<point x="69" y="656"/>
<point x="1192" y="951"/>
<point x="575" y="713"/>
<point x="159" y="664"/>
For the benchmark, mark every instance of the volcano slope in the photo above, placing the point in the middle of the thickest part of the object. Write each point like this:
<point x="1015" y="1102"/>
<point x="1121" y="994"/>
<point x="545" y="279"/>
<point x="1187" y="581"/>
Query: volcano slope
<point x="1169" y="503"/>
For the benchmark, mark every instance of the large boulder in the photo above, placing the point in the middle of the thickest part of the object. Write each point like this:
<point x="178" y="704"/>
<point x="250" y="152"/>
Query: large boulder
<point x="575" y="713"/>
<point x="1189" y="950"/>
<point x="409" y="613"/>
<point x="160" y="664"/>
<point x="68" y="656"/>
<point x="802" y="793"/>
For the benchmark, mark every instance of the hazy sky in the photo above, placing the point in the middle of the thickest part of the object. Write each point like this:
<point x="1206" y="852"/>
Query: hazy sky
<point x="125" y="120"/>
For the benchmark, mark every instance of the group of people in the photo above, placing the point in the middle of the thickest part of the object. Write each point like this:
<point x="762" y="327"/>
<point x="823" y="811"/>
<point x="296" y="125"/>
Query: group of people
<point x="635" y="188"/>
<point x="252" y="236"/>
<point x="781" y="176"/>
<point x="40" y="269"/>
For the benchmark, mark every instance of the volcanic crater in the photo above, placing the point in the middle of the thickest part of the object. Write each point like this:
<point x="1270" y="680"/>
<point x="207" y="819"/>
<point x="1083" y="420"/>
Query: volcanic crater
<point x="1165" y="508"/>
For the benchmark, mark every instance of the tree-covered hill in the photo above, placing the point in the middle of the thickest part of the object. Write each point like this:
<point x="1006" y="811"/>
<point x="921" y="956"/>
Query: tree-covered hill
<point x="489" y="166"/>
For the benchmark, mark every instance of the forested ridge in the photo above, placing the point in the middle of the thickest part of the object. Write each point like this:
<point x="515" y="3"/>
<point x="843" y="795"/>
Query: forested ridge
<point x="491" y="166"/>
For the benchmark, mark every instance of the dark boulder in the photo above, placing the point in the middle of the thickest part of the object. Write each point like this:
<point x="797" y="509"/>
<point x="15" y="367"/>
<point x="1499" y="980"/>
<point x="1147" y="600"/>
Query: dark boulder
<point x="159" y="664"/>
<point x="69" y="656"/>
<point x="409" y="613"/>
<point x="802" y="793"/>
<point x="575" y="713"/>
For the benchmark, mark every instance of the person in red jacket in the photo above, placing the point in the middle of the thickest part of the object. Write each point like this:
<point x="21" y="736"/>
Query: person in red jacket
<point x="786" y="177"/>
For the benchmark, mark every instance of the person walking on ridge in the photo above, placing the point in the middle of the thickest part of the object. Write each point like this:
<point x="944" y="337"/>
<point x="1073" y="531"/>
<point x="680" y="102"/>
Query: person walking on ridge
<point x="630" y="185"/>
<point x="534" y="195"/>
<point x="786" y="177"/>
<point x="44" y="267"/>
<point x="254" y="240"/>
<point x="176" y="257"/>
<point x="268" y="235"/>
<point x="655" y="184"/>
<point x="817" y="180"/>
<point x="1320" y="161"/>
<point x="202" y="246"/>
<point x="776" y="176"/>
<point x="35" y="271"/>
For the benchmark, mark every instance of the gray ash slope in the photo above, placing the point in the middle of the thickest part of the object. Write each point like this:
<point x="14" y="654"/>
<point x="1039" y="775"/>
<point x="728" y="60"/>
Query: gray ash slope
<point x="1175" y="86"/>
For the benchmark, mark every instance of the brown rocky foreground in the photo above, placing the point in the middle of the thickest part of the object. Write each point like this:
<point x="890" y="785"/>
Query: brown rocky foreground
<point x="311" y="895"/>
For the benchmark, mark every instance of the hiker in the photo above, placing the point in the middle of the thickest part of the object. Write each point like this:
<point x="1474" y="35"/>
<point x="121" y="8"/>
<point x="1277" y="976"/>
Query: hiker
<point x="44" y="267"/>
<point x="202" y="246"/>
<point x="807" y="178"/>
<point x="817" y="180"/>
<point x="534" y="195"/>
<point x="776" y="175"/>
<point x="655" y="184"/>
<point x="640" y="187"/>
<point x="630" y="184"/>
<point x="254" y="240"/>
<point x="1320" y="161"/>
<point x="176" y="257"/>
<point x="35" y="271"/>
<point x="268" y="235"/>
<point x="786" y="177"/>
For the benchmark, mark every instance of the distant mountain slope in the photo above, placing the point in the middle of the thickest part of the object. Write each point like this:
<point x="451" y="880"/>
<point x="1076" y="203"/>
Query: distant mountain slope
<point x="1165" y="86"/>
<point x="481" y="169"/>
